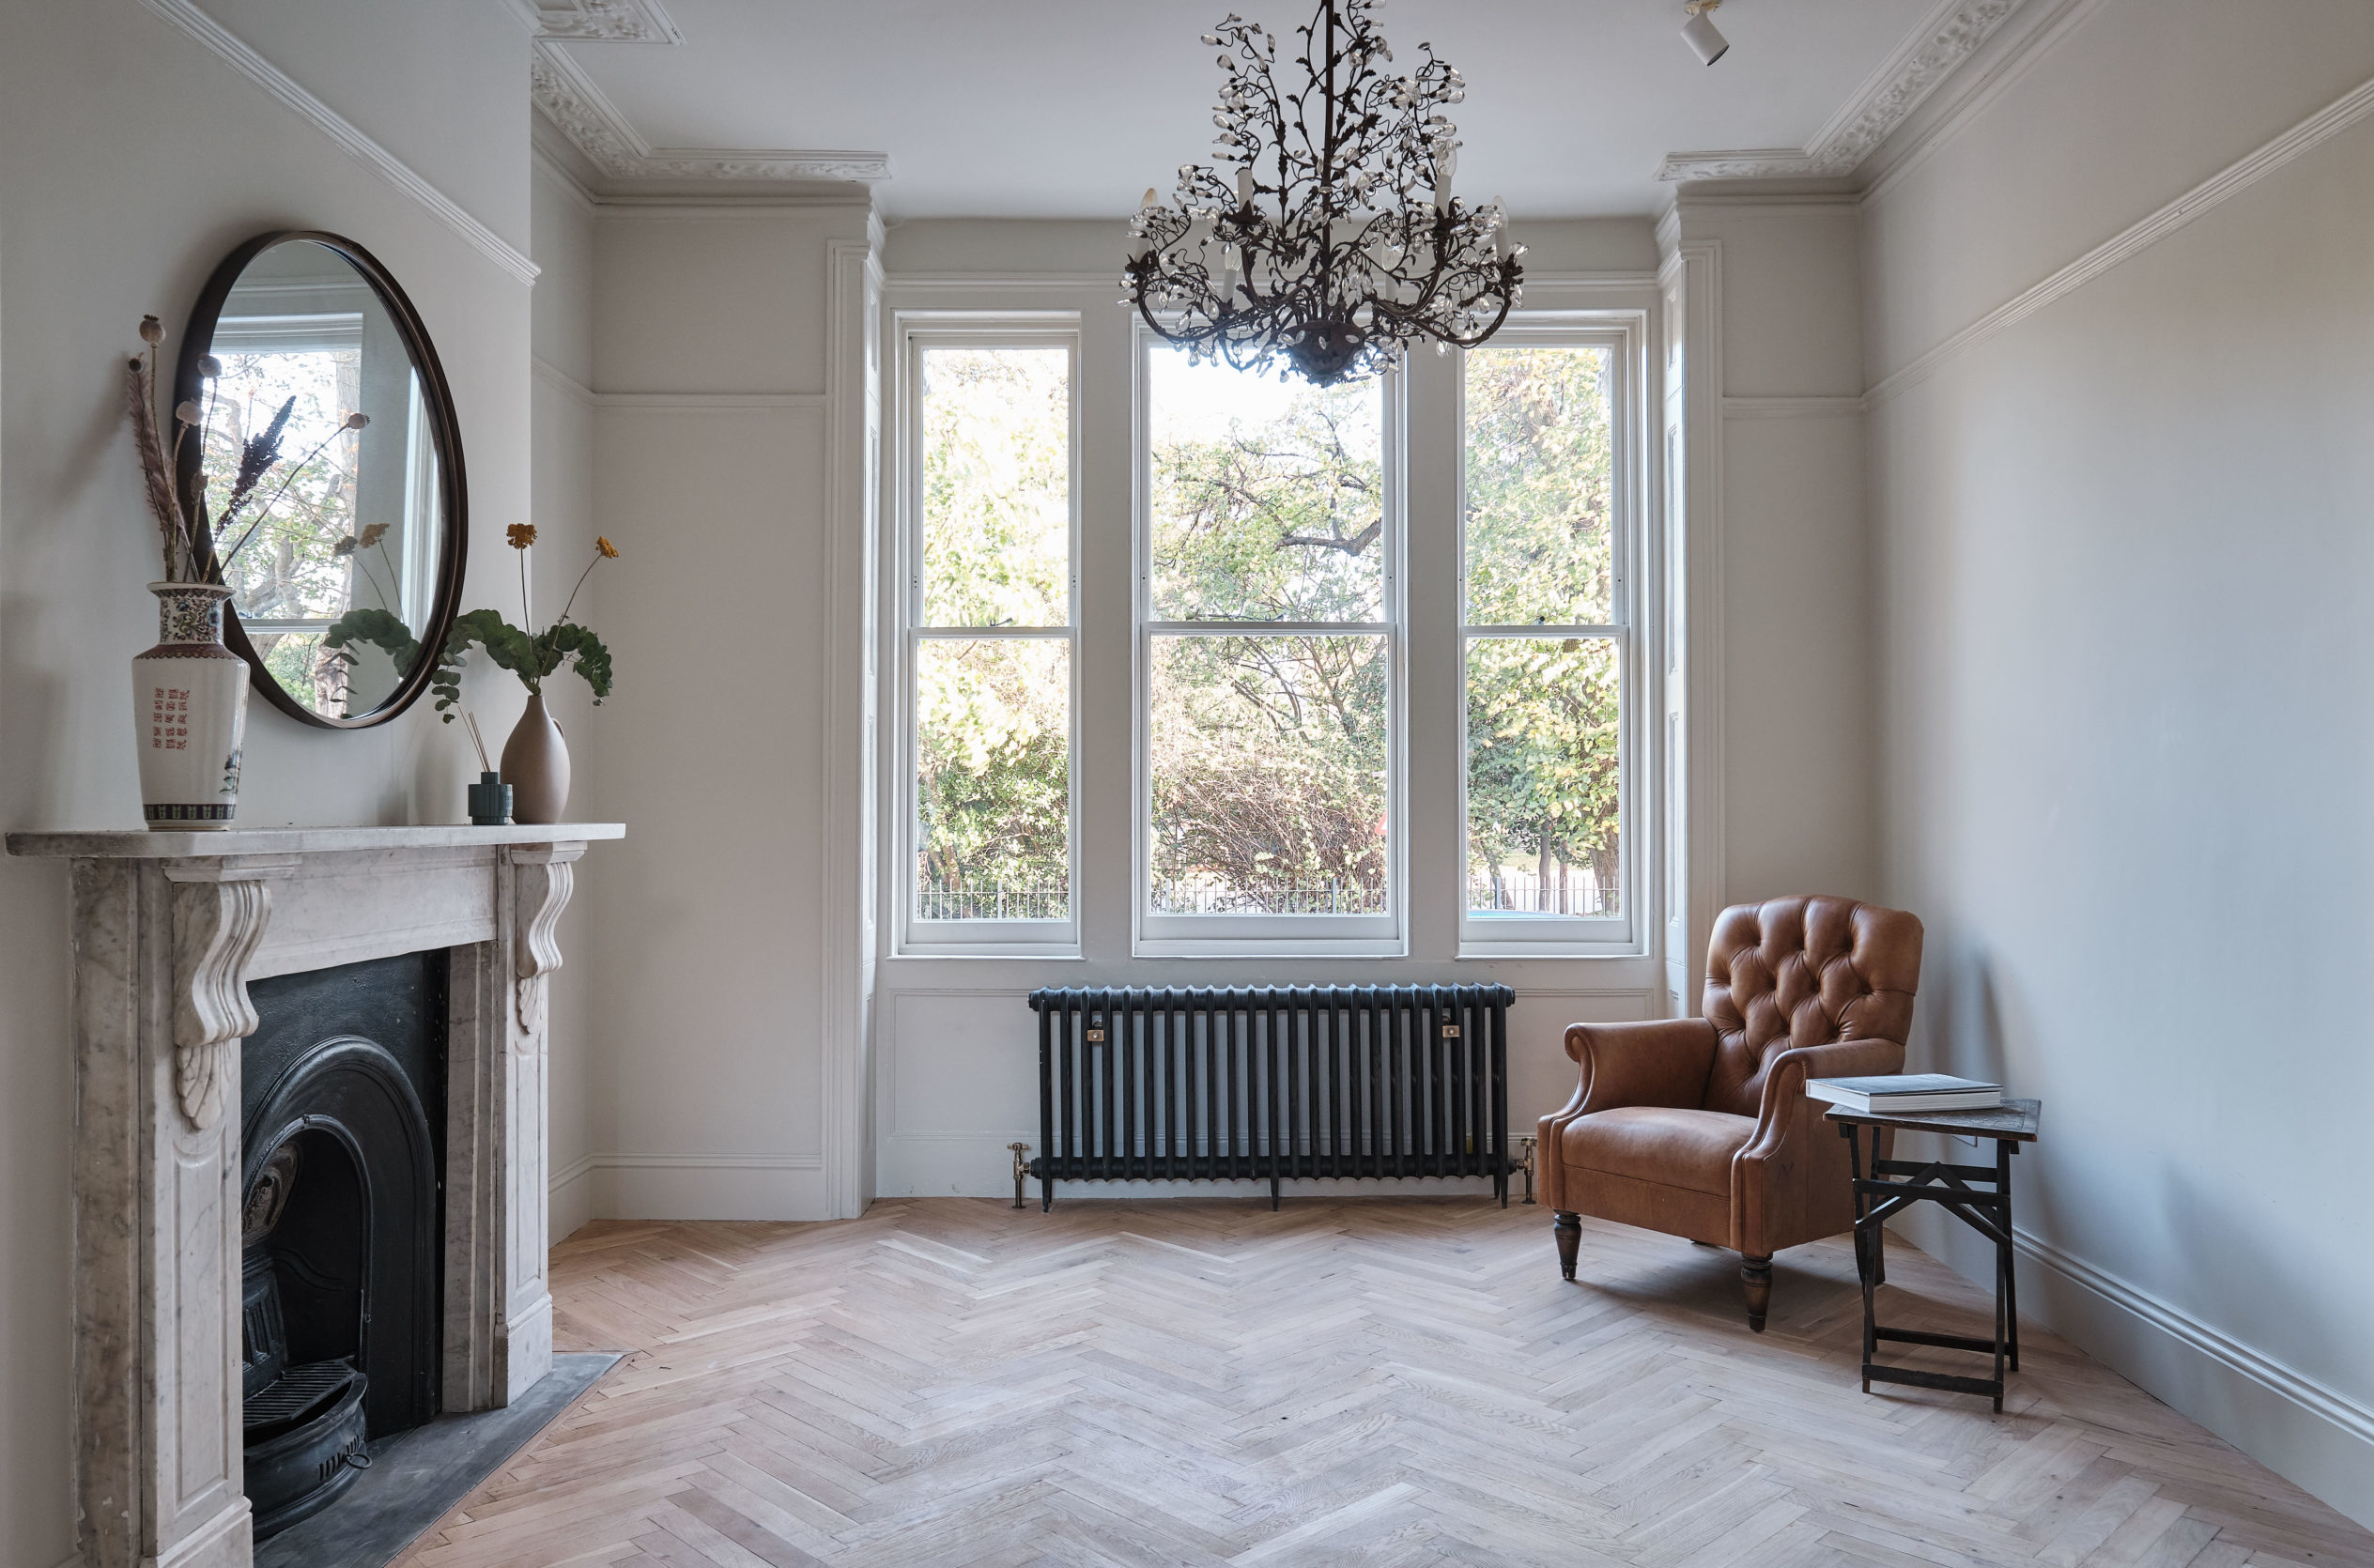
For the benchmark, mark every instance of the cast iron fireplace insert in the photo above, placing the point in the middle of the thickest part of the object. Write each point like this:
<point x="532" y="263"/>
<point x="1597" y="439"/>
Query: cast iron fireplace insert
<point x="342" y="1102"/>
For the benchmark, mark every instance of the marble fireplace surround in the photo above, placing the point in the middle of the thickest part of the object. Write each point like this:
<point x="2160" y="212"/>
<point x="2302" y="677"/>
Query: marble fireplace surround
<point x="167" y="930"/>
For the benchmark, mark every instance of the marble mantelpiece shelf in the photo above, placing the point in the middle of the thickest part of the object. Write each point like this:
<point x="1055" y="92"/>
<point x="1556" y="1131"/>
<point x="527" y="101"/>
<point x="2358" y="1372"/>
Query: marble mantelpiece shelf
<point x="140" y="844"/>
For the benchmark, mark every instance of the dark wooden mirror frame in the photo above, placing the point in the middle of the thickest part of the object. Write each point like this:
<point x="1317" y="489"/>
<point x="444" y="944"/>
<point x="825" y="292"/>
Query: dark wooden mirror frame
<point x="444" y="428"/>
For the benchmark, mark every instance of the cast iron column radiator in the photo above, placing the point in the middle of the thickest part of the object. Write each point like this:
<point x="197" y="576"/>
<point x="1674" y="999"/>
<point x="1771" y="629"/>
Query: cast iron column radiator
<point x="1328" y="1081"/>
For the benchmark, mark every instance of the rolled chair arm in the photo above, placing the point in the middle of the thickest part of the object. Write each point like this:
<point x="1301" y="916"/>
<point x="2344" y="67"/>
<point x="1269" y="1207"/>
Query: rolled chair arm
<point x="1775" y="1198"/>
<point x="1664" y="1062"/>
<point x="1784" y="1082"/>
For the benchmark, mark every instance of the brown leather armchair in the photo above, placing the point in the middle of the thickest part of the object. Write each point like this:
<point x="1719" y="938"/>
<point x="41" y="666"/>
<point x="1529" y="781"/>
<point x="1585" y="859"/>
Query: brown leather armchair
<point x="1699" y="1127"/>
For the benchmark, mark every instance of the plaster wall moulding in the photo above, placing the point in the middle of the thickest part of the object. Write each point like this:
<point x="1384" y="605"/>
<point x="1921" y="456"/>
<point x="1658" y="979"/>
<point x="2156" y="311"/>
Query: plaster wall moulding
<point x="1950" y="34"/>
<point x="605" y="20"/>
<point x="569" y="97"/>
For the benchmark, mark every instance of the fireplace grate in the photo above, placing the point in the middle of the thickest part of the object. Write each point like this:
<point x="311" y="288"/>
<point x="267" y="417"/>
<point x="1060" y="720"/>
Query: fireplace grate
<point x="296" y="1397"/>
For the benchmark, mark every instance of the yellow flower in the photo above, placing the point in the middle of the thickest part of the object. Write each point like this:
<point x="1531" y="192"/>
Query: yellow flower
<point x="608" y="552"/>
<point x="521" y="534"/>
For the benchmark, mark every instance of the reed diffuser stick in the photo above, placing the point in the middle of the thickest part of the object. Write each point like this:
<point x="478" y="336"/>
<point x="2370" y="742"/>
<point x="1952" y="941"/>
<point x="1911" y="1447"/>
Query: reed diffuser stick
<point x="470" y="720"/>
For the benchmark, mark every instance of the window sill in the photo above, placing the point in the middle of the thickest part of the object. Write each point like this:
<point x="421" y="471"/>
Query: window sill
<point x="1257" y="947"/>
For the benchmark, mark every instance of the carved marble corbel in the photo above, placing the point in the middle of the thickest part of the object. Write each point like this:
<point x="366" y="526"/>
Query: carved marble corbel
<point x="545" y="876"/>
<point x="220" y="910"/>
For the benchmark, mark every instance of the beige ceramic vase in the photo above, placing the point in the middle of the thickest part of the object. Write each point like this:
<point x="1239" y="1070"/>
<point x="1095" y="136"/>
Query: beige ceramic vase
<point x="190" y="706"/>
<point x="535" y="764"/>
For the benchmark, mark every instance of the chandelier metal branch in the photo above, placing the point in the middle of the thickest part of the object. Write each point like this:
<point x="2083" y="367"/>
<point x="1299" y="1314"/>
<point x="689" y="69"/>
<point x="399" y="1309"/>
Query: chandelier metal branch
<point x="1337" y="241"/>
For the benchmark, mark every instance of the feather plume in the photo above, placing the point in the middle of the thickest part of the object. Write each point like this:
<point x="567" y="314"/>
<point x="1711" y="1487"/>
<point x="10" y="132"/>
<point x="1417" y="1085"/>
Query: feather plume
<point x="141" y="389"/>
<point x="256" y="460"/>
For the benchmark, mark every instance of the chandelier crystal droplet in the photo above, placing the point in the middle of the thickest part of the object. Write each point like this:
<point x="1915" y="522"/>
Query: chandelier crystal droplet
<point x="1334" y="243"/>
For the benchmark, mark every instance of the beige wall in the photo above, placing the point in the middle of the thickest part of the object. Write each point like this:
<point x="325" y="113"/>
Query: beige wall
<point x="709" y="938"/>
<point x="1795" y="637"/>
<point x="2122" y="592"/>
<point x="131" y="159"/>
<point x="562" y="455"/>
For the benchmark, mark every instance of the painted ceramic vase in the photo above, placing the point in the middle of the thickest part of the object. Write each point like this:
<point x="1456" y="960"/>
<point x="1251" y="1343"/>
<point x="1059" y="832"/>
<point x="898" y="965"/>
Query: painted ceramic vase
<point x="190" y="707"/>
<point x="535" y="764"/>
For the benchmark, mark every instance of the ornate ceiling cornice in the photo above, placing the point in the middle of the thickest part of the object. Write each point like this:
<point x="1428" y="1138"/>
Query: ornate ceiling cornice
<point x="1950" y="35"/>
<point x="606" y="21"/>
<point x="588" y="119"/>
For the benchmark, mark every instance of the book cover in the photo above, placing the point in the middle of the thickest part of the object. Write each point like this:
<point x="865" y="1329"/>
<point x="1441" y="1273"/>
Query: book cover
<point x="1891" y="1086"/>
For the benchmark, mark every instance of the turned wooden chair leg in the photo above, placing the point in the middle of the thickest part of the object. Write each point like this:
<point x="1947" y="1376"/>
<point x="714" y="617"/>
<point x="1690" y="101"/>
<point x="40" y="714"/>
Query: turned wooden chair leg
<point x="1569" y="1229"/>
<point x="1756" y="1274"/>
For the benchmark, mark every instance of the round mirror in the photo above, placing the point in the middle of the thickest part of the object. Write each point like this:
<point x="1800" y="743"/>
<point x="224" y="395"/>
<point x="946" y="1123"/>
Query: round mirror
<point x="327" y="466"/>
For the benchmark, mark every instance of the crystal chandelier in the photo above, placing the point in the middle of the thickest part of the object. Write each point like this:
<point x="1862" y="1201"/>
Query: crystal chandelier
<point x="1337" y="241"/>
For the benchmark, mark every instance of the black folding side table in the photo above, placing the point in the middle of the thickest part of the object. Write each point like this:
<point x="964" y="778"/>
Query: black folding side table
<point x="1895" y="1185"/>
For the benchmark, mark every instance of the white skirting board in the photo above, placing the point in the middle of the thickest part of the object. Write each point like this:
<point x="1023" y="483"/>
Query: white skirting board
<point x="979" y="1165"/>
<point x="2313" y="1435"/>
<point x="571" y="1202"/>
<point x="688" y="1187"/>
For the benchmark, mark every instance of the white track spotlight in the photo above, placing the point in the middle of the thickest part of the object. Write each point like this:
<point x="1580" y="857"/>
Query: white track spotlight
<point x="1699" y="32"/>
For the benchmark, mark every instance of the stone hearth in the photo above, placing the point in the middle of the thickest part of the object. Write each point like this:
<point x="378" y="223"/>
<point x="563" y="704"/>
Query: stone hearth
<point x="168" y="929"/>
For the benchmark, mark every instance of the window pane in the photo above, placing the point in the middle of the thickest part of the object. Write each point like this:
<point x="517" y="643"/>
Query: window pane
<point x="992" y="779"/>
<point x="1540" y="487"/>
<point x="1267" y="765"/>
<point x="292" y="576"/>
<point x="1541" y="777"/>
<point x="997" y="486"/>
<point x="1268" y="495"/>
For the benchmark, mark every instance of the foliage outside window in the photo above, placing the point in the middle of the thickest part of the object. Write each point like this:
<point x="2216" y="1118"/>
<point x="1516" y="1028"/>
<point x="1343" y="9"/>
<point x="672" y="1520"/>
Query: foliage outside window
<point x="990" y="651"/>
<point x="1270" y="629"/>
<point x="1268" y="668"/>
<point x="1545" y="641"/>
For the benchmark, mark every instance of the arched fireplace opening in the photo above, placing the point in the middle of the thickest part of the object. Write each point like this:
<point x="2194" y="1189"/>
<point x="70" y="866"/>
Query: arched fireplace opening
<point x="342" y="1226"/>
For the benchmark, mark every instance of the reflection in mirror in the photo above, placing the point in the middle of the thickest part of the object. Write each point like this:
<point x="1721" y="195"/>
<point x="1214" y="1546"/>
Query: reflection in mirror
<point x="339" y="582"/>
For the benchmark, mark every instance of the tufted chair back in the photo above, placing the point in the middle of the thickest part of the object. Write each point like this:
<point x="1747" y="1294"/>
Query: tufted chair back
<point x="1806" y="971"/>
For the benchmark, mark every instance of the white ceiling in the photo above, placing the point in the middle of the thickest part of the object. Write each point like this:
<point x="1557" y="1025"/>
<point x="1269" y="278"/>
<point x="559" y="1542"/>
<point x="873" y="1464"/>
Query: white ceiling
<point x="1070" y="108"/>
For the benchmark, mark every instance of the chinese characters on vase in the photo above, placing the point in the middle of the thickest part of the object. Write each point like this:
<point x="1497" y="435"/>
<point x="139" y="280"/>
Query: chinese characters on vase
<point x="191" y="701"/>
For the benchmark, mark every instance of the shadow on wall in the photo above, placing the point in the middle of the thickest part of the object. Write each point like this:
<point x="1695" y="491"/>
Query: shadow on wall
<point x="1961" y="1018"/>
<point x="1972" y="1017"/>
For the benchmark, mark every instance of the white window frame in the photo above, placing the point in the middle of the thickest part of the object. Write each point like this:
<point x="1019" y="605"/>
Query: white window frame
<point x="1385" y="935"/>
<point x="298" y="333"/>
<point x="914" y="332"/>
<point x="1486" y="935"/>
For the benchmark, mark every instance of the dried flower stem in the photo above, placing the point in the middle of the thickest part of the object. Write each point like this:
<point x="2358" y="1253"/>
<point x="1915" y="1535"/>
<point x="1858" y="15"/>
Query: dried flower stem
<point x="140" y="379"/>
<point x="223" y="565"/>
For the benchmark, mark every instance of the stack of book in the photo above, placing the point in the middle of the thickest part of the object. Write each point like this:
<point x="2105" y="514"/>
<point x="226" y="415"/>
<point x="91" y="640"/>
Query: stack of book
<point x="1906" y="1092"/>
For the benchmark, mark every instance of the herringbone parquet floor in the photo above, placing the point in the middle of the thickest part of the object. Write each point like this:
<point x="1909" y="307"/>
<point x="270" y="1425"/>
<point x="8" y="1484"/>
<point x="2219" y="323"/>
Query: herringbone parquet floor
<point x="1383" y="1382"/>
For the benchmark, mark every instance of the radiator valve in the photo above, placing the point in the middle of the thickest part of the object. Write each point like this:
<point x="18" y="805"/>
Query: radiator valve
<point x="1022" y="1169"/>
<point x="1531" y="1143"/>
